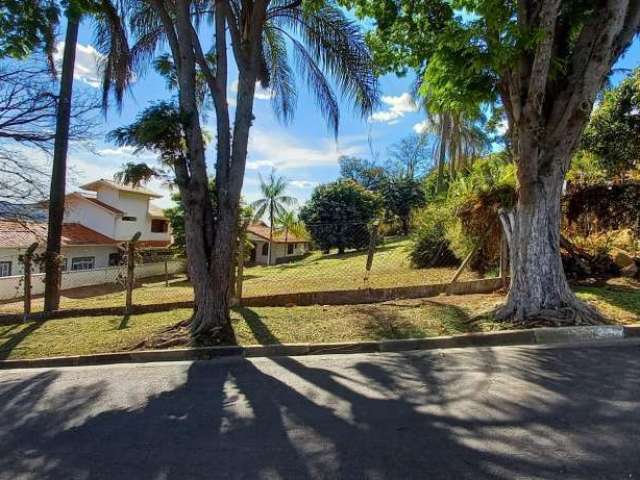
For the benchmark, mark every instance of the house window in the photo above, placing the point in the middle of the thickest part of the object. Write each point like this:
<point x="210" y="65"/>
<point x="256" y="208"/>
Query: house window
<point x="265" y="249"/>
<point x="5" y="269"/>
<point x="290" y="248"/>
<point x="83" y="263"/>
<point x="129" y="219"/>
<point x="65" y="264"/>
<point x="114" y="259"/>
<point x="159" y="226"/>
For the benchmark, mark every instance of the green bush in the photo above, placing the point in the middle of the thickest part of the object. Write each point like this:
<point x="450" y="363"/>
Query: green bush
<point x="430" y="246"/>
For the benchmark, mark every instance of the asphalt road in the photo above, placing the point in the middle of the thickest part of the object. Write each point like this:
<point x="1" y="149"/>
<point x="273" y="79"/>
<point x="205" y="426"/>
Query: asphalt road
<point x="507" y="413"/>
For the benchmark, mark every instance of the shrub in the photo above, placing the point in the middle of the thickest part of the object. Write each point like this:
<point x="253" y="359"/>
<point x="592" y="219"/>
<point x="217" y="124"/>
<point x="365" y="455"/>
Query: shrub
<point x="430" y="247"/>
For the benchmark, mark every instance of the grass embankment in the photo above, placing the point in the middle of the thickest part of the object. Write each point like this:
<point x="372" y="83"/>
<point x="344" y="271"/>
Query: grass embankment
<point x="401" y="319"/>
<point x="317" y="272"/>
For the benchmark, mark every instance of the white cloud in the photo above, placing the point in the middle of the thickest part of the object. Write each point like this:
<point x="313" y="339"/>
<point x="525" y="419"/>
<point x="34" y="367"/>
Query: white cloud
<point x="261" y="93"/>
<point x="421" y="127"/>
<point x="270" y="149"/>
<point x="126" y="153"/>
<point x="398" y="107"/>
<point x="87" y="63"/>
<point x="303" y="183"/>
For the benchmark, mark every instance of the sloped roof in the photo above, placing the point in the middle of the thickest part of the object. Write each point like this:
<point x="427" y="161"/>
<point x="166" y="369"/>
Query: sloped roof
<point x="95" y="186"/>
<point x="279" y="235"/>
<point x="21" y="235"/>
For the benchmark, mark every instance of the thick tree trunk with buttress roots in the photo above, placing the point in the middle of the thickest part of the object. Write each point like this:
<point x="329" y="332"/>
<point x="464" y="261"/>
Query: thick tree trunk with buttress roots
<point x="539" y="289"/>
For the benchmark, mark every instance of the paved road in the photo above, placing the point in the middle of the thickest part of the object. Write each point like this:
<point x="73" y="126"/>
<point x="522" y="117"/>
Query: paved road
<point x="506" y="413"/>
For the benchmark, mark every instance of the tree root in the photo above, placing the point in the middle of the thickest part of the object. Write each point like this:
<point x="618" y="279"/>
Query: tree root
<point x="572" y="312"/>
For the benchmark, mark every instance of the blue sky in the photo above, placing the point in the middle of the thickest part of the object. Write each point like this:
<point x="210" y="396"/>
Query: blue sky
<point x="305" y="152"/>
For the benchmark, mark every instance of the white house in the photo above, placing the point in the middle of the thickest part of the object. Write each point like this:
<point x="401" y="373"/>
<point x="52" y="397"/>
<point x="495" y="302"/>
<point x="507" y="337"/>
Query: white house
<point x="97" y="223"/>
<point x="285" y="246"/>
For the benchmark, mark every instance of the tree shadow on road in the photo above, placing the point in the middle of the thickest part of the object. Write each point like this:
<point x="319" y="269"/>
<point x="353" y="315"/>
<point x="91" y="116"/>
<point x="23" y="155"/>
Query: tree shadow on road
<point x="476" y="414"/>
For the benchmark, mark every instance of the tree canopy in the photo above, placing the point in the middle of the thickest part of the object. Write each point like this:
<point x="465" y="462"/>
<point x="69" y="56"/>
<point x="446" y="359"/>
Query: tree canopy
<point x="613" y="132"/>
<point x="339" y="213"/>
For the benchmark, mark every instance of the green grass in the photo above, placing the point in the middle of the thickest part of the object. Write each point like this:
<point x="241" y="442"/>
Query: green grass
<point x="319" y="324"/>
<point x="316" y="272"/>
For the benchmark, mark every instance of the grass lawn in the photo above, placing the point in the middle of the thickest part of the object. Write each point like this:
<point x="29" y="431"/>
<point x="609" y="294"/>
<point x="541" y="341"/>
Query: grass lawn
<point x="401" y="319"/>
<point x="316" y="272"/>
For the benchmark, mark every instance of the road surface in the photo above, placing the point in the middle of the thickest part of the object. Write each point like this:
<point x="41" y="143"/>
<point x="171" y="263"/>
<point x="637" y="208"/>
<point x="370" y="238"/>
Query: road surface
<point x="505" y="413"/>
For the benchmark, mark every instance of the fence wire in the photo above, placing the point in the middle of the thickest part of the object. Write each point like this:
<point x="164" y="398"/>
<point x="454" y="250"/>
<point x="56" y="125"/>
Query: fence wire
<point x="328" y="257"/>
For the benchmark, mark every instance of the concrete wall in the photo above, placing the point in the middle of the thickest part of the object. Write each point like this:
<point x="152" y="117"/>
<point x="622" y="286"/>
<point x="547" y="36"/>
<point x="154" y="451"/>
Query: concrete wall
<point x="12" y="287"/>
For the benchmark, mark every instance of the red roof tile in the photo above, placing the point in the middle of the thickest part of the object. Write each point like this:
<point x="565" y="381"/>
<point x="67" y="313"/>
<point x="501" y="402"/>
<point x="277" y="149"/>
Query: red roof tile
<point x="279" y="236"/>
<point x="20" y="235"/>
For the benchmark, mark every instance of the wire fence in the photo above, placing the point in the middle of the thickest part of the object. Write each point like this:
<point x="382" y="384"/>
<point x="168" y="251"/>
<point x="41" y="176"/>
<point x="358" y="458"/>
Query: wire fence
<point x="327" y="257"/>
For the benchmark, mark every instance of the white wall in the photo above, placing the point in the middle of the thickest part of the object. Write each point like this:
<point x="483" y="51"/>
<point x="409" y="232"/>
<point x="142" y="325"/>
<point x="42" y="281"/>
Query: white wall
<point x="13" y="287"/>
<point x="101" y="254"/>
<point x="91" y="216"/>
<point x="279" y="250"/>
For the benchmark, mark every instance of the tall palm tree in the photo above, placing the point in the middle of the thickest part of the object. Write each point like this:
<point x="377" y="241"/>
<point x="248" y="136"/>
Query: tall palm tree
<point x="273" y="202"/>
<point x="111" y="39"/>
<point x="459" y="139"/>
<point x="270" y="42"/>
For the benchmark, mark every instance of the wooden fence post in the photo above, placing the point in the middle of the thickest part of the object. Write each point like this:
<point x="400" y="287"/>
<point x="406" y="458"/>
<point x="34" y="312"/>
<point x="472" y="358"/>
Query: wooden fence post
<point x="27" y="262"/>
<point x="373" y="240"/>
<point x="131" y="266"/>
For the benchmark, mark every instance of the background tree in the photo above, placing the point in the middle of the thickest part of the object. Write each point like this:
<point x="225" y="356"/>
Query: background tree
<point x="291" y="224"/>
<point x="402" y="195"/>
<point x="410" y="157"/>
<point x="544" y="61"/>
<point x="613" y="131"/>
<point x="264" y="36"/>
<point x="338" y="215"/>
<point x="273" y="203"/>
<point x="365" y="172"/>
<point x="27" y="122"/>
<point x="135" y="174"/>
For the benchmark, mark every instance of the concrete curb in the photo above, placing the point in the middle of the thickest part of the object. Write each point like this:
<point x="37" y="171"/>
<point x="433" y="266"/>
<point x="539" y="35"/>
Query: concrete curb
<point x="540" y="336"/>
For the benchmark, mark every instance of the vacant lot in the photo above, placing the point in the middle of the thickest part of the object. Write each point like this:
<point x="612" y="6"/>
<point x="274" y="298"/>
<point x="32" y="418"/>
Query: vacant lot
<point x="401" y="319"/>
<point x="316" y="272"/>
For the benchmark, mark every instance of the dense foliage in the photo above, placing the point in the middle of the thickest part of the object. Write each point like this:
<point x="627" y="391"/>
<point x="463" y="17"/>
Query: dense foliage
<point x="339" y="215"/>
<point x="613" y="132"/>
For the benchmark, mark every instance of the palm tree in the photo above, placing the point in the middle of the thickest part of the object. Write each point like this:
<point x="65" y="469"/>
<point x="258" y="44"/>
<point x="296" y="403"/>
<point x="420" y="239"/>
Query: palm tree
<point x="290" y="222"/>
<point x="459" y="139"/>
<point x="269" y="41"/>
<point x="111" y="39"/>
<point x="135" y="174"/>
<point x="273" y="201"/>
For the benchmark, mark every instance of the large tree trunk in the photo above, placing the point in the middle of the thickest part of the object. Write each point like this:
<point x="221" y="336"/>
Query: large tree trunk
<point x="539" y="289"/>
<point x="59" y="171"/>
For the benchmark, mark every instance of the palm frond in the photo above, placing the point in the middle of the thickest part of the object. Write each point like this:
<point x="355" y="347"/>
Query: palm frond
<point x="112" y="42"/>
<point x="281" y="79"/>
<point x="338" y="46"/>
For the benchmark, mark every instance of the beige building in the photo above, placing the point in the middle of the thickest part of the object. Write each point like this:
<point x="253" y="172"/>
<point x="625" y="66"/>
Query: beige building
<point x="284" y="246"/>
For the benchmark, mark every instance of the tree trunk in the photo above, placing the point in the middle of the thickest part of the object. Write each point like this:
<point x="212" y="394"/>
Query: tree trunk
<point x="270" y="232"/>
<point x="539" y="290"/>
<point x="59" y="171"/>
